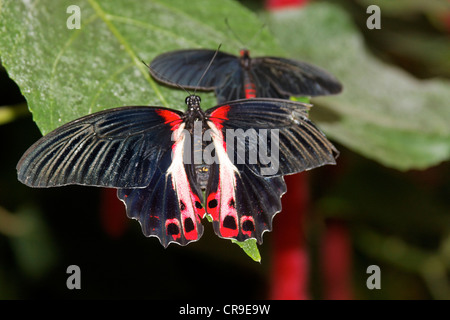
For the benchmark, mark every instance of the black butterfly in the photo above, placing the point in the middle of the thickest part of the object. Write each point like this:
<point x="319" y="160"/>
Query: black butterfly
<point x="150" y="154"/>
<point x="234" y="78"/>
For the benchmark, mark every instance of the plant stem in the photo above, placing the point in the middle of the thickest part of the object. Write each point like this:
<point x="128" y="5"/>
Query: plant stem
<point x="290" y="261"/>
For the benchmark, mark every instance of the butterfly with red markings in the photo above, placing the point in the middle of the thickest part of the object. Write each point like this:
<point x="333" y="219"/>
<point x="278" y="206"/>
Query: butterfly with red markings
<point x="148" y="155"/>
<point x="242" y="77"/>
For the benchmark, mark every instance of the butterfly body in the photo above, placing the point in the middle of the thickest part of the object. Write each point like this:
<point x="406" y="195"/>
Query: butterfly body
<point x="244" y="56"/>
<point x="249" y="87"/>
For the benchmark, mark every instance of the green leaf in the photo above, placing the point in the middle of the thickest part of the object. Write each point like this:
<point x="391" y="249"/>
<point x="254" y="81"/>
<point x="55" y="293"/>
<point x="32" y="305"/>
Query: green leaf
<point x="301" y="99"/>
<point x="383" y="113"/>
<point x="68" y="73"/>
<point x="250" y="248"/>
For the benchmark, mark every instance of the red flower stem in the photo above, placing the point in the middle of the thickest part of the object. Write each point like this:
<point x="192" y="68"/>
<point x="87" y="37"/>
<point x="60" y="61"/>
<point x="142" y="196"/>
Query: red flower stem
<point x="272" y="5"/>
<point x="112" y="213"/>
<point x="290" y="261"/>
<point x="336" y="262"/>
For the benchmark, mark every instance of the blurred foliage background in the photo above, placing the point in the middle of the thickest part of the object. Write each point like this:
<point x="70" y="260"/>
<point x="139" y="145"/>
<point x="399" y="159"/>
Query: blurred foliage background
<point x="396" y="219"/>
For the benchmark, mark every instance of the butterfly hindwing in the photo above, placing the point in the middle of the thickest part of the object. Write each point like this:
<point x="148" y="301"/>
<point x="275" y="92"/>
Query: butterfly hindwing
<point x="112" y="148"/>
<point x="248" y="210"/>
<point x="170" y="208"/>
<point x="276" y="133"/>
<point x="241" y="203"/>
<point x="230" y="88"/>
<point x="283" y="78"/>
<point x="161" y="213"/>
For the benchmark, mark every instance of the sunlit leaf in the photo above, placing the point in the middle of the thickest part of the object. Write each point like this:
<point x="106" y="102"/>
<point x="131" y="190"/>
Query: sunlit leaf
<point x="250" y="248"/>
<point x="67" y="73"/>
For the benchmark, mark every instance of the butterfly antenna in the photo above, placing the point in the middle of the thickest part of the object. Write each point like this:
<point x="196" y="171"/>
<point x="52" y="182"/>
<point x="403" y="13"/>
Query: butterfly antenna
<point x="239" y="40"/>
<point x="161" y="76"/>
<point x="207" y="68"/>
<point x="234" y="33"/>
<point x="257" y="34"/>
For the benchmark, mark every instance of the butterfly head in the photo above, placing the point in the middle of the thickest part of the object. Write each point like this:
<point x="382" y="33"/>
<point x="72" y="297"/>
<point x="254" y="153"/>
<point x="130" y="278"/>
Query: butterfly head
<point x="193" y="102"/>
<point x="194" y="112"/>
<point x="245" y="58"/>
<point x="244" y="53"/>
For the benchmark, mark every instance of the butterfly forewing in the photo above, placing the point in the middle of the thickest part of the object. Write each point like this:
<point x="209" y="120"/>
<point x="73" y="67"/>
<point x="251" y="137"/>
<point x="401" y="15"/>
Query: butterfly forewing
<point x="185" y="67"/>
<point x="113" y="148"/>
<point x="280" y="129"/>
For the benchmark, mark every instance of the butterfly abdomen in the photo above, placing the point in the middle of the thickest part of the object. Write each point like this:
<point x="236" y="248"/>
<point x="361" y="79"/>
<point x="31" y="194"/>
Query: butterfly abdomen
<point x="199" y="143"/>
<point x="249" y="85"/>
<point x="247" y="79"/>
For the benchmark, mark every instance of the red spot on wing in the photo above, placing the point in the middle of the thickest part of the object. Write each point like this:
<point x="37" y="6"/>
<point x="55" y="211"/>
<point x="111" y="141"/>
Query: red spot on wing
<point x="219" y="115"/>
<point x="213" y="209"/>
<point x="173" y="228"/>
<point x="171" y="118"/>
<point x="244" y="220"/>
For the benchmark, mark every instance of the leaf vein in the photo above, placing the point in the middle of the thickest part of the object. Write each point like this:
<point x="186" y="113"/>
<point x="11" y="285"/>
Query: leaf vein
<point x="128" y="49"/>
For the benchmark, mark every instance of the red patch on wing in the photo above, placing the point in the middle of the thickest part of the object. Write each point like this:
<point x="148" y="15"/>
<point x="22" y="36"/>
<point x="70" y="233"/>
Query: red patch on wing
<point x="190" y="231"/>
<point x="171" y="118"/>
<point x="188" y="202"/>
<point x="219" y="115"/>
<point x="199" y="210"/>
<point x="229" y="227"/>
<point x="213" y="202"/>
<point x="190" y="222"/>
<point x="229" y="220"/>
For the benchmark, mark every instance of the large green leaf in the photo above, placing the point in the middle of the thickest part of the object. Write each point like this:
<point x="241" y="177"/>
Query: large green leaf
<point x="383" y="113"/>
<point x="67" y="73"/>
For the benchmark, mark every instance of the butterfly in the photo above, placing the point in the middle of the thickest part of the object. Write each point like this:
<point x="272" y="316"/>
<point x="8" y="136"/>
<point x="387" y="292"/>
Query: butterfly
<point x="172" y="168"/>
<point x="234" y="78"/>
